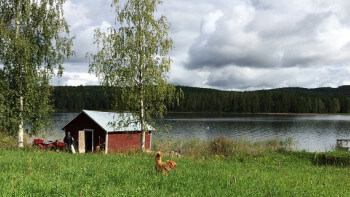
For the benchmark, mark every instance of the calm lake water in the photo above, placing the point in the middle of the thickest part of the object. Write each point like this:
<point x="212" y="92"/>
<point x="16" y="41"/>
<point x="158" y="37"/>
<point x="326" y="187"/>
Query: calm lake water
<point x="309" y="132"/>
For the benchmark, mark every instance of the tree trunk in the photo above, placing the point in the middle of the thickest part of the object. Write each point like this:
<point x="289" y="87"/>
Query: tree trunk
<point x="143" y="125"/>
<point x="20" y="127"/>
<point x="142" y="107"/>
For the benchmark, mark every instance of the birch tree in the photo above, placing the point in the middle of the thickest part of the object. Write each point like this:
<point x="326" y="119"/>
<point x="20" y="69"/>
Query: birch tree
<point x="34" y="42"/>
<point x="132" y="58"/>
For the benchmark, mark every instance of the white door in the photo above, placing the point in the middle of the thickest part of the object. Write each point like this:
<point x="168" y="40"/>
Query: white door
<point x="81" y="141"/>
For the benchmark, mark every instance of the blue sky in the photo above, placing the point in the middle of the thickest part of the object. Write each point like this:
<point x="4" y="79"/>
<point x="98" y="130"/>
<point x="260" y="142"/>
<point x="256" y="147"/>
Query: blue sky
<point x="234" y="44"/>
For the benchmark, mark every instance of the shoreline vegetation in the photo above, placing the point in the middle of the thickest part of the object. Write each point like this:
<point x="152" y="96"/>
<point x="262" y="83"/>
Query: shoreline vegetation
<point x="262" y="113"/>
<point x="281" y="100"/>
<point x="232" y="113"/>
<point x="217" y="167"/>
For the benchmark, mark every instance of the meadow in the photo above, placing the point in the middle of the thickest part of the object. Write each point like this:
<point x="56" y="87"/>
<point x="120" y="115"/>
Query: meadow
<point x="266" y="172"/>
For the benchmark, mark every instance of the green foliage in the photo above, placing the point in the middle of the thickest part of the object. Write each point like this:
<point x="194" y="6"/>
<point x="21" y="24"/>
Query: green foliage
<point x="34" y="41"/>
<point x="8" y="117"/>
<point x="49" y="173"/>
<point x="133" y="60"/>
<point x="74" y="99"/>
<point x="288" y="100"/>
<point x="284" y="100"/>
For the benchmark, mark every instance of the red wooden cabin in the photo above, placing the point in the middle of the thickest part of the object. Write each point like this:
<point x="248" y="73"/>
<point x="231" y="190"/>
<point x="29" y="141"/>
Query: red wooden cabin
<point x="107" y="131"/>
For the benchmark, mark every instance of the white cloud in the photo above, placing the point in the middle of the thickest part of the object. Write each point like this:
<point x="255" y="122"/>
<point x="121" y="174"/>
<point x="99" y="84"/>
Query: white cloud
<point x="77" y="15"/>
<point x="247" y="44"/>
<point x="75" y="79"/>
<point x="245" y="78"/>
<point x="209" y="22"/>
<point x="276" y="36"/>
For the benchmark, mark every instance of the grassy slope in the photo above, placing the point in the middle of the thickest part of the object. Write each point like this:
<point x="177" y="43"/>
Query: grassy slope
<point x="41" y="173"/>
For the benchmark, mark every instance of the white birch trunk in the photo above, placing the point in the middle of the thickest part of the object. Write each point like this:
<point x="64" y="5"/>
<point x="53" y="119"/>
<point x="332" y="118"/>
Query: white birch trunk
<point x="143" y="126"/>
<point x="20" y="126"/>
<point x="142" y="107"/>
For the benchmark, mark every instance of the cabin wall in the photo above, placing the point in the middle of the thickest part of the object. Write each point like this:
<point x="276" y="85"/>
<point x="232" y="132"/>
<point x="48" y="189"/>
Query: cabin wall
<point x="124" y="141"/>
<point x="84" y="122"/>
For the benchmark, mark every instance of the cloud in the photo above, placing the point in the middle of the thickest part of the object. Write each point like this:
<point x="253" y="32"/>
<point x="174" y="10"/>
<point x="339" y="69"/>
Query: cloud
<point x="75" y="79"/>
<point x="271" y="35"/>
<point x="84" y="17"/>
<point x="238" y="45"/>
<point x="238" y="78"/>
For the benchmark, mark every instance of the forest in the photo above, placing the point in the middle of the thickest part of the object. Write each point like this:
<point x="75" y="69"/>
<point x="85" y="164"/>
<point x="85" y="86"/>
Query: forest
<point x="281" y="100"/>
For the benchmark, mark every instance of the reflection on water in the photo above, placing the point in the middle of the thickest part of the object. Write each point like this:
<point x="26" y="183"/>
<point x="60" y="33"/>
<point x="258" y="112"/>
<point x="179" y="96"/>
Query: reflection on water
<point x="310" y="132"/>
<point x="59" y="120"/>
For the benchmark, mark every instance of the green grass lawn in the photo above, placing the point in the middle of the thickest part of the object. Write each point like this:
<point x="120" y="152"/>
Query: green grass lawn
<point x="279" y="173"/>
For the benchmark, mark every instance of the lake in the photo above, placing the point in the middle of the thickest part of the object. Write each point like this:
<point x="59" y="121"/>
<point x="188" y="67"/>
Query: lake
<point x="309" y="132"/>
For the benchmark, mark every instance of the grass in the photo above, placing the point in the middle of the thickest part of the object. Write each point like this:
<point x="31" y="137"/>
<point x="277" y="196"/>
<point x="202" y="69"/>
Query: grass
<point x="11" y="142"/>
<point x="6" y="141"/>
<point x="221" y="146"/>
<point x="267" y="172"/>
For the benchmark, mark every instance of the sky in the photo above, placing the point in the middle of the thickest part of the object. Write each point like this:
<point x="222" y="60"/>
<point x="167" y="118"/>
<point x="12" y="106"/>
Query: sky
<point x="237" y="45"/>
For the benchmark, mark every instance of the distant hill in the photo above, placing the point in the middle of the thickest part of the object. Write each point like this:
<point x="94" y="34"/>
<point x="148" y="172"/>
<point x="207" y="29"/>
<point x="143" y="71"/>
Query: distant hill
<point x="281" y="100"/>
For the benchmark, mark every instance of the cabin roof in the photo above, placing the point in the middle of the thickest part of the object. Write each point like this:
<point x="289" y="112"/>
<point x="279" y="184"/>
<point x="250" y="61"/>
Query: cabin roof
<point x="123" y="121"/>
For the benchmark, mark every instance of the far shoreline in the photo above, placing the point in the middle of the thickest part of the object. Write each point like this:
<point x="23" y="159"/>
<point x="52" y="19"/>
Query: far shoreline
<point x="262" y="113"/>
<point x="233" y="113"/>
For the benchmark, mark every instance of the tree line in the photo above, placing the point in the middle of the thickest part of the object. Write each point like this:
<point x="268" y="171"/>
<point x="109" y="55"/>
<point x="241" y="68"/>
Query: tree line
<point x="282" y="100"/>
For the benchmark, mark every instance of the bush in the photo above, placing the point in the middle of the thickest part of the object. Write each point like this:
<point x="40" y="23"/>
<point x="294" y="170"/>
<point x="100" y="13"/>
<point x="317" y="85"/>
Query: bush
<point x="221" y="146"/>
<point x="7" y="141"/>
<point x="10" y="142"/>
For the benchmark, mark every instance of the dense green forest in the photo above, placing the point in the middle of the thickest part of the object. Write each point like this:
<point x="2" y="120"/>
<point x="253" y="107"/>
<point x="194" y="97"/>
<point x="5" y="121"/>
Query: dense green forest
<point x="282" y="100"/>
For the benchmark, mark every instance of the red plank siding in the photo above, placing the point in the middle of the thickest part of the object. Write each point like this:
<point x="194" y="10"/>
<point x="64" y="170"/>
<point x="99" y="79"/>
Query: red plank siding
<point x="119" y="142"/>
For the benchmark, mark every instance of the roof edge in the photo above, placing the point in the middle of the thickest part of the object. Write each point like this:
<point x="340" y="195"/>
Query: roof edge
<point x="72" y="120"/>
<point x="93" y="119"/>
<point x="85" y="112"/>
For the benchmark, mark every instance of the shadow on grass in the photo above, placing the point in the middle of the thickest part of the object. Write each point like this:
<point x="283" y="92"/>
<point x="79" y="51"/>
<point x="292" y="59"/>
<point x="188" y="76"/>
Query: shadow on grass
<point x="335" y="159"/>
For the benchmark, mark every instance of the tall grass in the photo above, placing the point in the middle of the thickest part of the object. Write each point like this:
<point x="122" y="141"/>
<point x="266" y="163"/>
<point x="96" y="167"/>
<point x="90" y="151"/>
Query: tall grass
<point x="7" y="141"/>
<point x="220" y="147"/>
<point x="11" y="142"/>
<point x="280" y="173"/>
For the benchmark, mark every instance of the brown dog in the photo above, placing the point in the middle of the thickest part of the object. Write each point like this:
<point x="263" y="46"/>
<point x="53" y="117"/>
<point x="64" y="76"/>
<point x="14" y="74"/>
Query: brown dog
<point x="164" y="166"/>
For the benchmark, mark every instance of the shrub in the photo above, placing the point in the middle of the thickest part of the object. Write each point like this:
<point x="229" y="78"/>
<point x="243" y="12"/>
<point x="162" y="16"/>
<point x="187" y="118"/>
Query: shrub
<point x="7" y="141"/>
<point x="10" y="142"/>
<point x="221" y="146"/>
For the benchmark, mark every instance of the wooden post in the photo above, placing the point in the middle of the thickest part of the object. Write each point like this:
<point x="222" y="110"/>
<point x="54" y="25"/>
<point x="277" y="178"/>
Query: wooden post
<point x="81" y="142"/>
